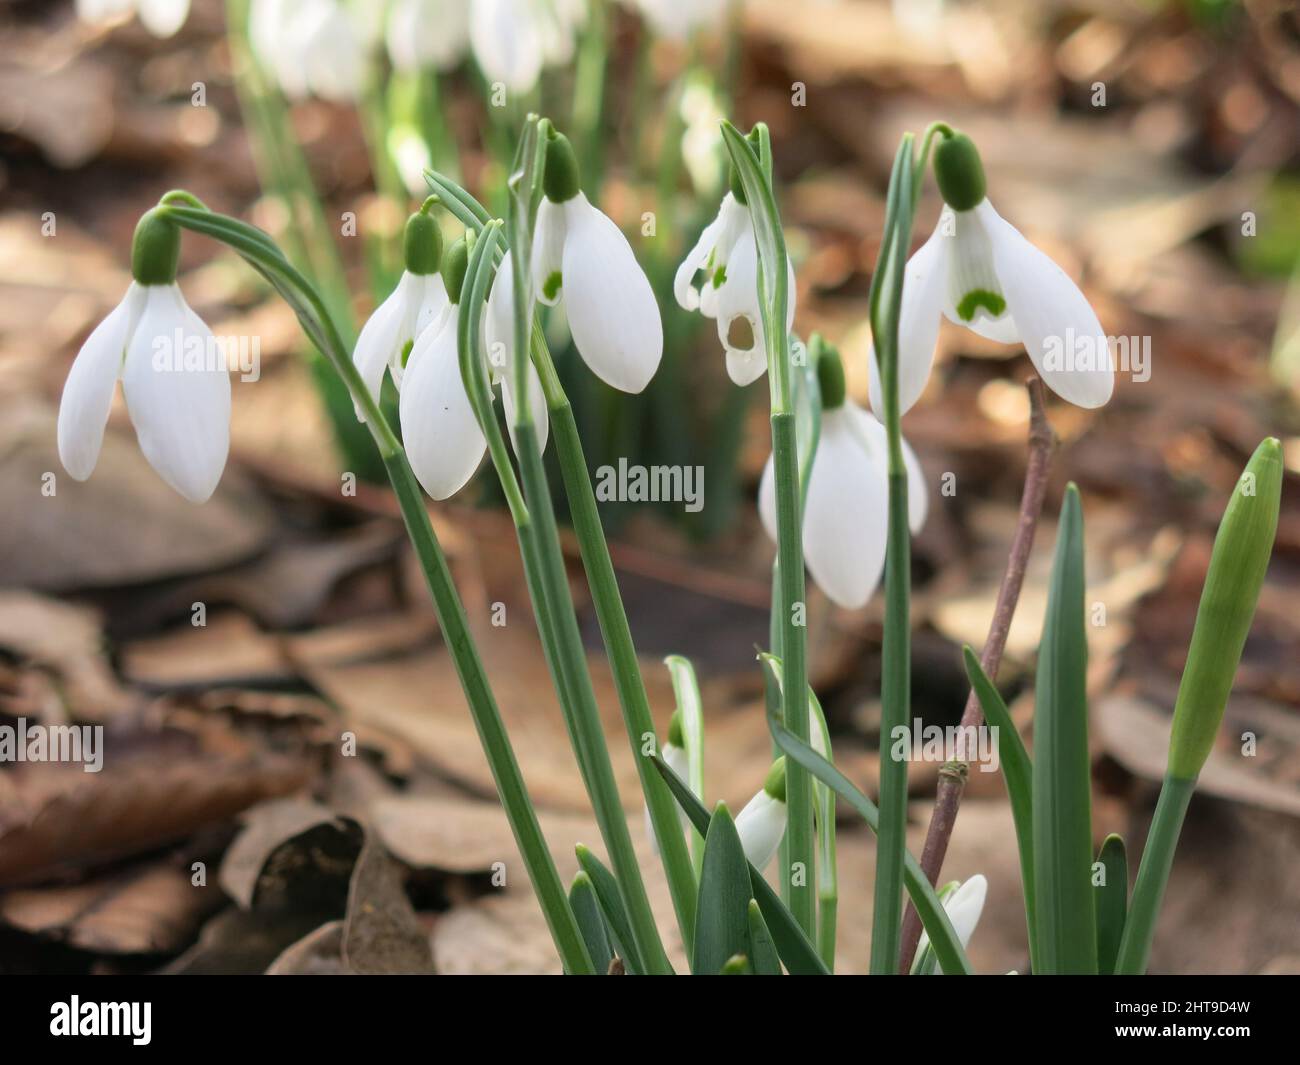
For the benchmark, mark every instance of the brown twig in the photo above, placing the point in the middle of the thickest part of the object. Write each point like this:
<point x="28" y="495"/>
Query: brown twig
<point x="952" y="778"/>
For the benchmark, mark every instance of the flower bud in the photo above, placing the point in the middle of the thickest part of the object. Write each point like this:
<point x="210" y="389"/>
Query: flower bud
<point x="422" y="241"/>
<point x="959" y="172"/>
<point x="830" y="374"/>
<point x="155" y="249"/>
<point x="762" y="822"/>
<point x="1237" y="565"/>
<point x="560" y="182"/>
<point x="455" y="261"/>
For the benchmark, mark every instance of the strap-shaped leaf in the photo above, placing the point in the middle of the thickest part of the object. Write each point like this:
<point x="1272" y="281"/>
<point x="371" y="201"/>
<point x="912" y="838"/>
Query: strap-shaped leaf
<point x="762" y="950"/>
<point x="1112" y="901"/>
<point x="611" y="907"/>
<point x="722" y="916"/>
<point x="591" y="921"/>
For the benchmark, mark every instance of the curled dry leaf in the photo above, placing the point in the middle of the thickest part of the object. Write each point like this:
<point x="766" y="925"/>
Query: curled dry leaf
<point x="382" y="935"/>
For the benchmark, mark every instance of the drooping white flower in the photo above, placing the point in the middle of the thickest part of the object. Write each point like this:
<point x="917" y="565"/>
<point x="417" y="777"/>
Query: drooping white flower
<point x="514" y="39"/>
<point x="173" y="374"/>
<point x="727" y="255"/>
<point x="761" y="824"/>
<point x="498" y="342"/>
<point x="162" y="18"/>
<point x="680" y="18"/>
<point x="846" y="513"/>
<point x="579" y="255"/>
<point x="311" y="47"/>
<point x="428" y="33"/>
<point x="964" y="906"/>
<point x="978" y="271"/>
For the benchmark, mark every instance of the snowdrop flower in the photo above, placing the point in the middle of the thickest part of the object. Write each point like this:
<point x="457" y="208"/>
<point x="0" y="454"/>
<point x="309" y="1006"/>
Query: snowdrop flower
<point x="727" y="255"/>
<point x="428" y="33"/>
<point x="311" y="47"/>
<point x="417" y="303"/>
<point x="514" y="39"/>
<point x="978" y="271"/>
<point x="177" y="394"/>
<point x="498" y="339"/>
<point x="680" y="18"/>
<point x="846" y="513"/>
<point x="162" y="18"/>
<point x="581" y="256"/>
<point x="964" y="906"/>
<point x="440" y="431"/>
<point x="674" y="755"/>
<point x="761" y="824"/>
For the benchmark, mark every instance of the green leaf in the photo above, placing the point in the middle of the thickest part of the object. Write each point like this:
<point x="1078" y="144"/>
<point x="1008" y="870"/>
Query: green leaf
<point x="1062" y="829"/>
<point x="591" y="922"/>
<point x="1112" y="902"/>
<point x="686" y="690"/>
<point x="1018" y="773"/>
<point x="611" y="907"/>
<point x="794" y="948"/>
<point x="722" y="916"/>
<point x="761" y="948"/>
<point x="934" y="918"/>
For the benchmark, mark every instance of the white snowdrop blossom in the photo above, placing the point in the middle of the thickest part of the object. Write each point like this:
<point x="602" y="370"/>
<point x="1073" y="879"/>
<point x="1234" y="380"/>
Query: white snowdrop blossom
<point x="846" y="513"/>
<point x="727" y="255"/>
<point x="675" y="757"/>
<point x="498" y="342"/>
<point x="762" y="823"/>
<point x="514" y="39"/>
<point x="162" y="18"/>
<point x="678" y="19"/>
<point x="428" y="33"/>
<point x="312" y="47"/>
<point x="978" y="271"/>
<point x="964" y="906"/>
<point x="173" y="374"/>
<point x="579" y="255"/>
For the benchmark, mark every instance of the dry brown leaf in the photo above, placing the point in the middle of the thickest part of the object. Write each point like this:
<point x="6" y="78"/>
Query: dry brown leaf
<point x="318" y="953"/>
<point x="381" y="935"/>
<point x="228" y="650"/>
<point x="267" y="828"/>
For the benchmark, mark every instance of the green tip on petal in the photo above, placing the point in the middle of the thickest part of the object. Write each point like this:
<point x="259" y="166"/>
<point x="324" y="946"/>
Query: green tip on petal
<point x="977" y="298"/>
<point x="676" y="735"/>
<point x="959" y="172"/>
<point x="774" y="785"/>
<point x="422" y="243"/>
<point x="156" y="248"/>
<point x="1238" y="562"/>
<point x="455" y="261"/>
<point x="830" y="373"/>
<point x="560" y="182"/>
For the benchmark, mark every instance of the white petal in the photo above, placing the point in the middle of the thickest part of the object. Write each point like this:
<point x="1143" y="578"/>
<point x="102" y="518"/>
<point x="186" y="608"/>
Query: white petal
<point x="88" y="392"/>
<point x="427" y="33"/>
<point x="548" y="251"/>
<point x="873" y="435"/>
<point x="163" y="18"/>
<point x="676" y="760"/>
<point x="846" y="517"/>
<point x="377" y="343"/>
<point x="964" y="906"/>
<point x="181" y="410"/>
<point x="737" y="298"/>
<point x="102" y="11"/>
<point x="612" y="310"/>
<point x="1059" y="328"/>
<point x="507" y="42"/>
<point x="686" y="294"/>
<point x="924" y="283"/>
<point x="334" y="62"/>
<point x="537" y="407"/>
<point x="499" y="320"/>
<point x="439" y="430"/>
<point x="761" y="824"/>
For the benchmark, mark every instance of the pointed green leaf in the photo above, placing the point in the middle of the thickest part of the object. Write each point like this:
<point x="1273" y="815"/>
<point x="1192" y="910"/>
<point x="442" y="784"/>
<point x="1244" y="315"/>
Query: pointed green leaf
<point x="1018" y="773"/>
<point x="1062" y="828"/>
<point x="1112" y="901"/>
<point x="722" y="916"/>
<point x="591" y="922"/>
<point x="611" y="908"/>
<point x="762" y="950"/>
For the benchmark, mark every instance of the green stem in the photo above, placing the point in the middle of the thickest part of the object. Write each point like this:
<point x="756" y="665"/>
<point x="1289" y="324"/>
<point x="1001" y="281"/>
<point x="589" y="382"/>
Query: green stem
<point x="1153" y="875"/>
<point x="312" y="312"/>
<point x="589" y="95"/>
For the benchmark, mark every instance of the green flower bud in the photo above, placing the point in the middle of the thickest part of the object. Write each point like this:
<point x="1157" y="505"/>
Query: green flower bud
<point x="959" y="172"/>
<point x="676" y="735"/>
<point x="156" y="249"/>
<point x="774" y="785"/>
<point x="422" y="243"/>
<point x="1237" y="565"/>
<point x="455" y="261"/>
<point x="830" y="374"/>
<point x="560" y="182"/>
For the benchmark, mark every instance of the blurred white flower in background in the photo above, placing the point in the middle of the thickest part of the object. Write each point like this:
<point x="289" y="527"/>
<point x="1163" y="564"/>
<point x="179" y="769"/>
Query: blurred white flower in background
<point x="514" y="39"/>
<point x="313" y="47"/>
<point x="702" y="117"/>
<point x="680" y="18"/>
<point x="162" y="18"/>
<point x="424" y="34"/>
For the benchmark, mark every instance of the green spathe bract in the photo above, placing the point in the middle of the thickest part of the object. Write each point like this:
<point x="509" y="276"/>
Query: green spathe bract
<point x="1237" y="566"/>
<point x="422" y="243"/>
<point x="561" y="182"/>
<point x="155" y="249"/>
<point x="959" y="172"/>
<point x="454" y="264"/>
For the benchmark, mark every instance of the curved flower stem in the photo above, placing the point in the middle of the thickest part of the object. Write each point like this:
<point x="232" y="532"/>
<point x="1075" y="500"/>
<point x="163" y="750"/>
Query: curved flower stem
<point x="260" y="252"/>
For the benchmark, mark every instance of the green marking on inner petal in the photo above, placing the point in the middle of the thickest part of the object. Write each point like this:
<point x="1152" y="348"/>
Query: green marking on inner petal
<point x="552" y="287"/>
<point x="719" y="277"/>
<point x="406" y="351"/>
<point x="977" y="298"/>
